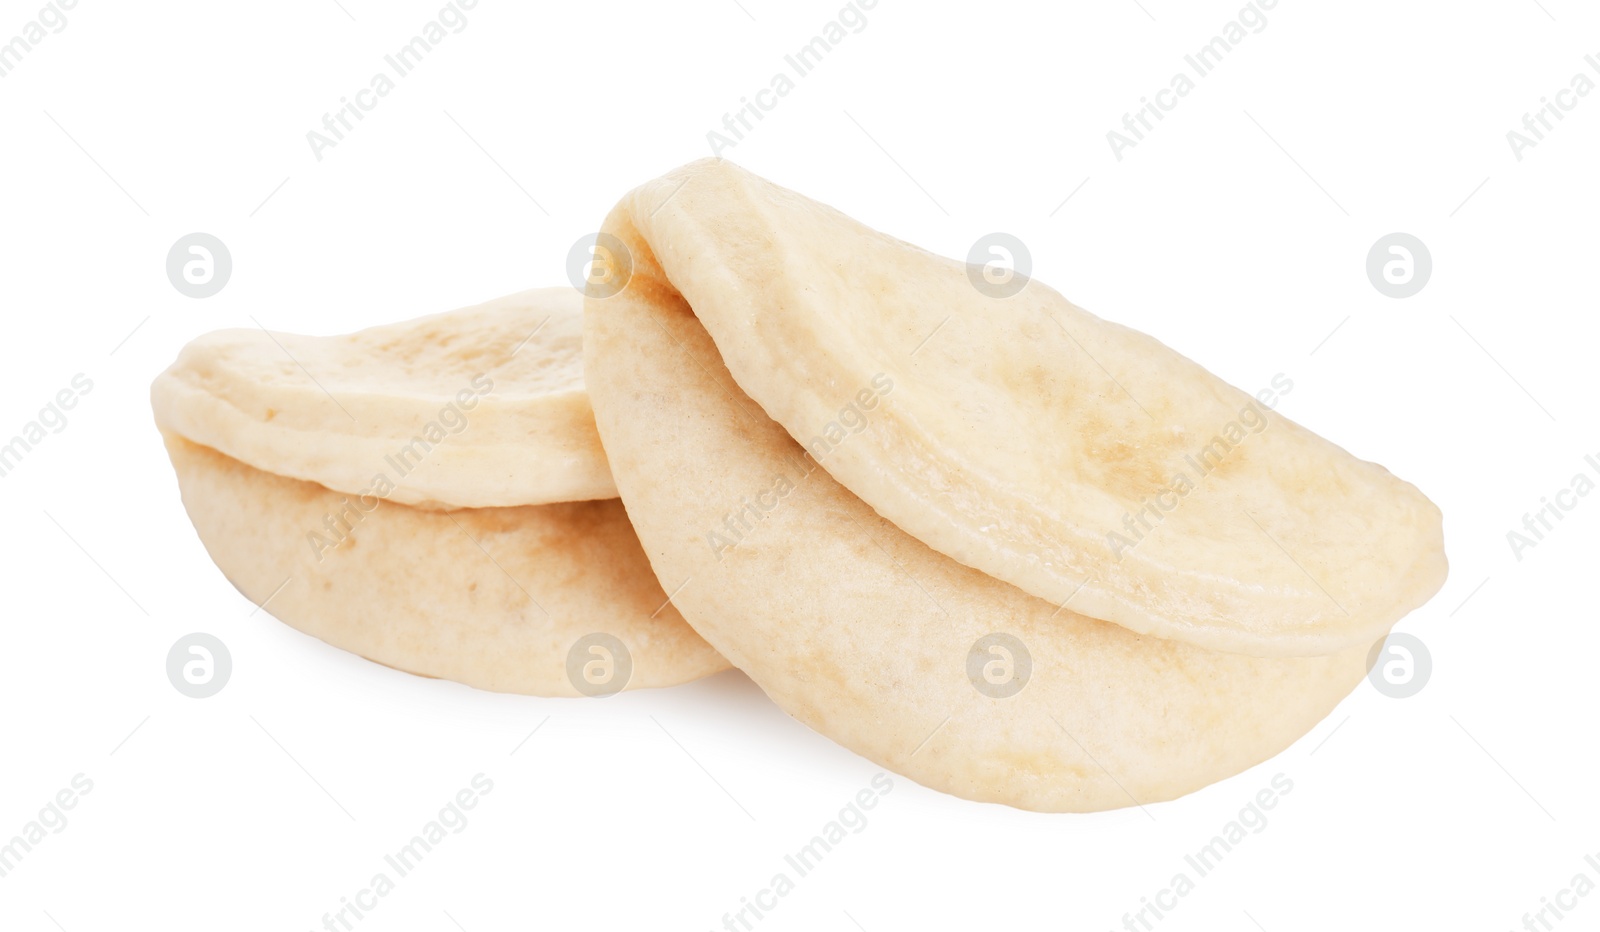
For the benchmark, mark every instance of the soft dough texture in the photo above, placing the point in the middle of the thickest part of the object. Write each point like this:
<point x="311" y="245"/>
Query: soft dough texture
<point x="528" y="439"/>
<point x="863" y="632"/>
<point x="491" y="597"/>
<point x="1023" y="432"/>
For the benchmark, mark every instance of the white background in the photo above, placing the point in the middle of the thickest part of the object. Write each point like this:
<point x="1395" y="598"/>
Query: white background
<point x="1237" y="232"/>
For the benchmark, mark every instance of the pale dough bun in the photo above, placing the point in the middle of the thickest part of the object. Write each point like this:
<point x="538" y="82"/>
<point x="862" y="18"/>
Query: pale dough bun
<point x="491" y="597"/>
<point x="866" y="634"/>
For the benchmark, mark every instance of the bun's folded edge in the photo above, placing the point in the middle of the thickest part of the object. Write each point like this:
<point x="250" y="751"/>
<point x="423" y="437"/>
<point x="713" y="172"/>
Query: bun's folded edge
<point x="474" y="408"/>
<point x="1080" y="460"/>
